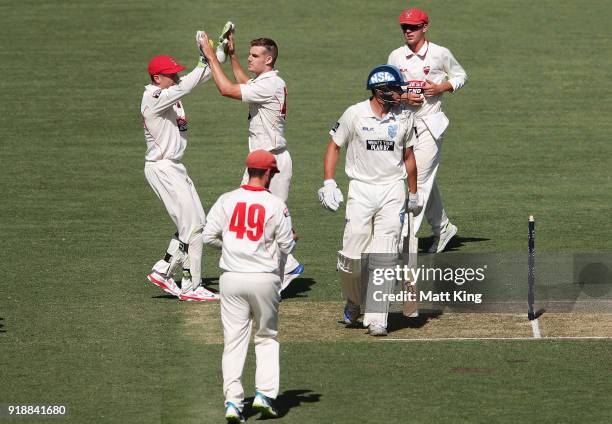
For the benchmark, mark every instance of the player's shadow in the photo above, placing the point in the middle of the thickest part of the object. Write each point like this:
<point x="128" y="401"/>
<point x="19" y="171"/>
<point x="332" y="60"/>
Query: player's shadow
<point x="211" y="284"/>
<point x="397" y="321"/>
<point x="297" y="288"/>
<point x="453" y="245"/>
<point x="285" y="401"/>
<point x="2" y="330"/>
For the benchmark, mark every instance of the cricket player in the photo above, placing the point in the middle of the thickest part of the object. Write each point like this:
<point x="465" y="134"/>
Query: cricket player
<point x="165" y="131"/>
<point x="378" y="136"/>
<point x="266" y="95"/>
<point x="430" y="71"/>
<point x="253" y="229"/>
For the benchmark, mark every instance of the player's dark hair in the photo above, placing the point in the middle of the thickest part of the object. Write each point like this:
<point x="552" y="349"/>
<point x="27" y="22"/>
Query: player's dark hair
<point x="256" y="172"/>
<point x="269" y="45"/>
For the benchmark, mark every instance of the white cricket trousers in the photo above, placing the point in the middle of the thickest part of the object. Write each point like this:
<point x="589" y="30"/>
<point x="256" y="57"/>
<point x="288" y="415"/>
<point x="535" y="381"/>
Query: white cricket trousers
<point x="279" y="186"/>
<point x="371" y="210"/>
<point x="248" y="298"/>
<point x="427" y="151"/>
<point x="374" y="213"/>
<point x="170" y="182"/>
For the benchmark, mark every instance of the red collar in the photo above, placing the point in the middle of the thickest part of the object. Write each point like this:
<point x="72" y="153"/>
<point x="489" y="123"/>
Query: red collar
<point x="253" y="188"/>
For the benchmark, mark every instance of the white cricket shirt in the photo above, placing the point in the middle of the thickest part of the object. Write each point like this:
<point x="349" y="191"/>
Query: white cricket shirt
<point x="267" y="98"/>
<point x="374" y="147"/>
<point x="164" y="118"/>
<point x="432" y="62"/>
<point x="252" y="227"/>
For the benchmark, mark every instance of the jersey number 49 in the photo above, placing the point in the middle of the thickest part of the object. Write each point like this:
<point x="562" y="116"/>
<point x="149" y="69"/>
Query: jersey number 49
<point x="249" y="221"/>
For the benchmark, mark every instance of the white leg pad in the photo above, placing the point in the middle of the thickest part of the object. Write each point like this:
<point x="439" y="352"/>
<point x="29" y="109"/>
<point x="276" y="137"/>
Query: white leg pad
<point x="350" y="278"/>
<point x="383" y="256"/>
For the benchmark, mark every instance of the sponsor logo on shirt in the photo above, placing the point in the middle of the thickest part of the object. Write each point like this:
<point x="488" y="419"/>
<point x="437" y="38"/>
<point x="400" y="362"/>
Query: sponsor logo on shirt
<point x="335" y="127"/>
<point x="286" y="212"/>
<point x="366" y="129"/>
<point x="157" y="93"/>
<point x="416" y="86"/>
<point x="380" y="145"/>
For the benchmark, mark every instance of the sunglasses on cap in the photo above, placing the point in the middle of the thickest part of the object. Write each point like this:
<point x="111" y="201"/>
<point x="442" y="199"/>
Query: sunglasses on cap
<point x="406" y="27"/>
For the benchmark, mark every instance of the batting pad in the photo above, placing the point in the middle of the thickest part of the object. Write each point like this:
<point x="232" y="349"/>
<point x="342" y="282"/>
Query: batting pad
<point x="350" y="278"/>
<point x="382" y="262"/>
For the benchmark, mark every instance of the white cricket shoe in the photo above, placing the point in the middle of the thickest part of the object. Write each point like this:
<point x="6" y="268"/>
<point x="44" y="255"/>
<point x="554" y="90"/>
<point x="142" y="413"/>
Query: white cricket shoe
<point x="263" y="404"/>
<point x="440" y="242"/>
<point x="166" y="284"/>
<point x="200" y="294"/>
<point x="351" y="313"/>
<point x="233" y="414"/>
<point x="377" y="330"/>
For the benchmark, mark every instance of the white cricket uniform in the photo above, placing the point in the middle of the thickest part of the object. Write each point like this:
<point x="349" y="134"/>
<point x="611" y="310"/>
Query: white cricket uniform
<point x="437" y="64"/>
<point x="375" y="166"/>
<point x="165" y="131"/>
<point x="267" y="98"/>
<point x="253" y="229"/>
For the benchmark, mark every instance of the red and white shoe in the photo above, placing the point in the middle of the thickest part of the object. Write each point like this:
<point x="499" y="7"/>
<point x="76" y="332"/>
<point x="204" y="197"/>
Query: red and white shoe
<point x="166" y="284"/>
<point x="200" y="294"/>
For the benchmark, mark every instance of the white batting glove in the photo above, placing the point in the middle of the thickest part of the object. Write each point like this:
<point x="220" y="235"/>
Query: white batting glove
<point x="415" y="204"/>
<point x="227" y="28"/>
<point x="330" y="195"/>
<point x="198" y="37"/>
<point x="221" y="51"/>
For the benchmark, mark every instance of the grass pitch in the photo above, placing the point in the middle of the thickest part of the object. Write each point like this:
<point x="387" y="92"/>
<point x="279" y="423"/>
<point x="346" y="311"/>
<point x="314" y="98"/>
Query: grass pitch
<point x="81" y="228"/>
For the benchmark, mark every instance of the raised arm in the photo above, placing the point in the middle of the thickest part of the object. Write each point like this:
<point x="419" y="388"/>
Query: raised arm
<point x="226" y="87"/>
<point x="239" y="73"/>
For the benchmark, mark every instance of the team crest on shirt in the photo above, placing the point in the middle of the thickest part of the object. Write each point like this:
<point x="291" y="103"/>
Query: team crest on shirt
<point x="426" y="69"/>
<point x="157" y="93"/>
<point x="392" y="130"/>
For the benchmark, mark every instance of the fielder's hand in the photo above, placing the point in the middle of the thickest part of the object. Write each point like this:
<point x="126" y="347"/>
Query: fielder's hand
<point x="330" y="195"/>
<point x="415" y="204"/>
<point x="230" y="44"/>
<point x="413" y="99"/>
<point x="206" y="46"/>
<point x="432" y="89"/>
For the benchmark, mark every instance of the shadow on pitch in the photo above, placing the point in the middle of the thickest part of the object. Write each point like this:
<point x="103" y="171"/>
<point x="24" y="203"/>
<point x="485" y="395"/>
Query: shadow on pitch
<point x="455" y="244"/>
<point x="297" y="288"/>
<point x="285" y="401"/>
<point x="2" y="330"/>
<point x="397" y="321"/>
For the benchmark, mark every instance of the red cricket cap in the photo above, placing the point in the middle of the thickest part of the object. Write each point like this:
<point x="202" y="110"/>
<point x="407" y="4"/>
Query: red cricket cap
<point x="164" y="65"/>
<point x="413" y="16"/>
<point x="261" y="159"/>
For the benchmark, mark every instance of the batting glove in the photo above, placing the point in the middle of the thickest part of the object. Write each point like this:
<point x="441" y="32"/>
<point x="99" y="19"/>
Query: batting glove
<point x="330" y="195"/>
<point x="415" y="204"/>
<point x="227" y="28"/>
<point x="198" y="38"/>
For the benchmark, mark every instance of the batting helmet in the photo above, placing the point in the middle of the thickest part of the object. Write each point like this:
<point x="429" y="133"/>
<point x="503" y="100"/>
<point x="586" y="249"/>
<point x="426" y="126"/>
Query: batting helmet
<point x="384" y="76"/>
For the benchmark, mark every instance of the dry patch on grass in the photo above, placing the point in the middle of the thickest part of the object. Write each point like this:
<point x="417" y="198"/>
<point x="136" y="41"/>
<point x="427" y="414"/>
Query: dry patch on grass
<point x="319" y="321"/>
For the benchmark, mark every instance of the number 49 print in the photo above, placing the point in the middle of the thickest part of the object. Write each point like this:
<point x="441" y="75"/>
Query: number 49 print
<point x="249" y="222"/>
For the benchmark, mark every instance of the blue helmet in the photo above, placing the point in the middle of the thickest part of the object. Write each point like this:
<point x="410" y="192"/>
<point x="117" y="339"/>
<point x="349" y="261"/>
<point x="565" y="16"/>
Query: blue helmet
<point x="385" y="76"/>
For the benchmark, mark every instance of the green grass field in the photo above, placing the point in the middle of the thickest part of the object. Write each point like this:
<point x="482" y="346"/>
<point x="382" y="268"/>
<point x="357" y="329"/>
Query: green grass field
<point x="530" y="133"/>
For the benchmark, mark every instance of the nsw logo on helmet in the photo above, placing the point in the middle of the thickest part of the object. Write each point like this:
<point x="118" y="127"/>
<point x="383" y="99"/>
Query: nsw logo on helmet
<point x="384" y="75"/>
